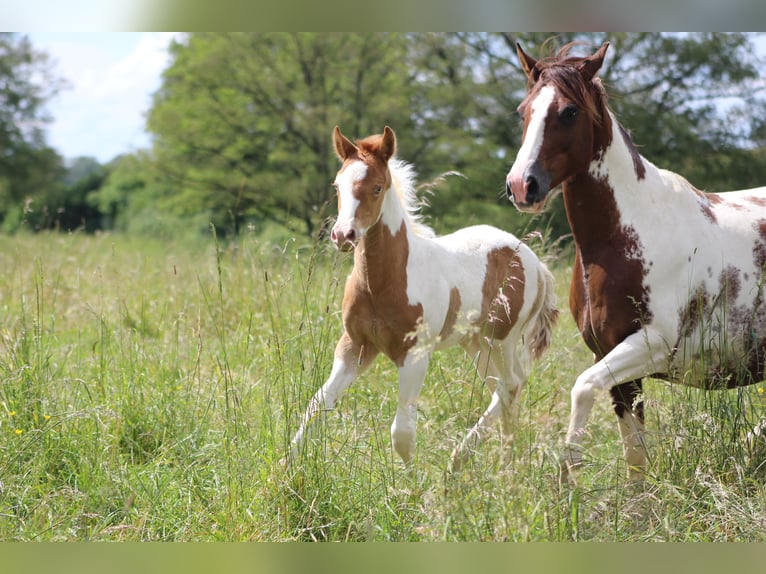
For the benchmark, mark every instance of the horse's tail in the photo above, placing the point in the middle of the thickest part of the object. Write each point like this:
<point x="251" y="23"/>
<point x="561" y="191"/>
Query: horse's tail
<point x="544" y="315"/>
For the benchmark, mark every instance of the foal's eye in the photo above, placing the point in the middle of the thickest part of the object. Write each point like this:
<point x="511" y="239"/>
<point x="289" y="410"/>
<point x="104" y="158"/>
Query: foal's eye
<point x="568" y="114"/>
<point x="378" y="189"/>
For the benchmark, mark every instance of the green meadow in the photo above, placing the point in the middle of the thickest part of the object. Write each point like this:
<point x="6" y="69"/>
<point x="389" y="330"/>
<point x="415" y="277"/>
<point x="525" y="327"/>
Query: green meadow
<point x="149" y="390"/>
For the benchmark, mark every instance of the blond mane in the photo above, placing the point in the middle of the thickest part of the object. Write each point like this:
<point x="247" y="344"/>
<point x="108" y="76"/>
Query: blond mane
<point x="403" y="179"/>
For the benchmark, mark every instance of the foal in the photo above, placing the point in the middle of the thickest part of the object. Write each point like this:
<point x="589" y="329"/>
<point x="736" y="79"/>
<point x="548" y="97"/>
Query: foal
<point x="411" y="293"/>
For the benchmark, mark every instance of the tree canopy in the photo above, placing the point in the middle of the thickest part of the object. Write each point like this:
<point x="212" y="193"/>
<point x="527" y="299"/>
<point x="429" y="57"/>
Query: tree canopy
<point x="242" y="125"/>
<point x="28" y="167"/>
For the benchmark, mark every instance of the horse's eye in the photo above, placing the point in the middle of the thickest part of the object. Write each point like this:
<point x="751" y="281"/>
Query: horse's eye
<point x="568" y="114"/>
<point x="378" y="189"/>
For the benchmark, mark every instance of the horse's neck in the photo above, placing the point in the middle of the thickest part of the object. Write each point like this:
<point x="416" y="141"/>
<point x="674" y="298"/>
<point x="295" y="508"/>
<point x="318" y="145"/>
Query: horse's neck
<point x="594" y="200"/>
<point x="385" y="247"/>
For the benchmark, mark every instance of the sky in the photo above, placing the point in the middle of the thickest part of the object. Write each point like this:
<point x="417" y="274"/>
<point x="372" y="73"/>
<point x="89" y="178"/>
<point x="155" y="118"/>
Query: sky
<point x="111" y="78"/>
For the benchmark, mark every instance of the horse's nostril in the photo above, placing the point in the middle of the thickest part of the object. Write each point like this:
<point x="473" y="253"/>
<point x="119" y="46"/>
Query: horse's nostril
<point x="533" y="187"/>
<point x="351" y="235"/>
<point x="509" y="191"/>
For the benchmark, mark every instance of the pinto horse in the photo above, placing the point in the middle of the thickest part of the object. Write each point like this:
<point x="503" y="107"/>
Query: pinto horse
<point x="667" y="280"/>
<point x="411" y="293"/>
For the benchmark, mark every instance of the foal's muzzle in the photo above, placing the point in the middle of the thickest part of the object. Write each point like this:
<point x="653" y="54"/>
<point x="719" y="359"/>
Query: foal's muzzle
<point x="344" y="240"/>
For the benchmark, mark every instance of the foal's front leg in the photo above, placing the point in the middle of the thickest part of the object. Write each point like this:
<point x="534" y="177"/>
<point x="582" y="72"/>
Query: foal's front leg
<point x="411" y="376"/>
<point x="351" y="359"/>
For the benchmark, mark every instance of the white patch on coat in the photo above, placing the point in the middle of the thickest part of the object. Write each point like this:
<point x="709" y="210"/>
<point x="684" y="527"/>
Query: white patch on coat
<point x="534" y="136"/>
<point x="345" y="181"/>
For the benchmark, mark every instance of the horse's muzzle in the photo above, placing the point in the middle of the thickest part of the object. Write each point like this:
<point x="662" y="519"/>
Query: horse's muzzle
<point x="344" y="241"/>
<point x="529" y="190"/>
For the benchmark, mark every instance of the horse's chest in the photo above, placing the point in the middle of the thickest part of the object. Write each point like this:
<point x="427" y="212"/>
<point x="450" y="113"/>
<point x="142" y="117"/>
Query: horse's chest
<point x="384" y="320"/>
<point x="609" y="297"/>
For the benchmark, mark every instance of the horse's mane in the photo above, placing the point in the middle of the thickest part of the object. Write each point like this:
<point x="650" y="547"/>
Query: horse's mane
<point x="403" y="178"/>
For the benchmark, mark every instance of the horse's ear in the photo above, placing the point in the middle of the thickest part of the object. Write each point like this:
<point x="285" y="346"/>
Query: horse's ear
<point x="590" y="65"/>
<point x="527" y="63"/>
<point x="388" y="144"/>
<point x="344" y="147"/>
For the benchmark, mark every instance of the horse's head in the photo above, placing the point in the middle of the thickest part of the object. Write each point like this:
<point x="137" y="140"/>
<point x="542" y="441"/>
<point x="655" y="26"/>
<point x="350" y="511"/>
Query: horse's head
<point x="361" y="184"/>
<point x="563" y="113"/>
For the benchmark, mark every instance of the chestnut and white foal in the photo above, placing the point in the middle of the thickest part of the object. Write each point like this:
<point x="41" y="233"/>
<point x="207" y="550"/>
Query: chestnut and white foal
<point x="411" y="293"/>
<point x="667" y="281"/>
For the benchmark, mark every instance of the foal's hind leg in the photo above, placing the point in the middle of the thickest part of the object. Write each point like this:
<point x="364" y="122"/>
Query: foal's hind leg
<point x="403" y="430"/>
<point x="351" y="359"/>
<point x="501" y="372"/>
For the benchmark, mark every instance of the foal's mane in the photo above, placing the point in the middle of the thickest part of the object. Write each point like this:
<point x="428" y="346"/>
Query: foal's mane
<point x="403" y="178"/>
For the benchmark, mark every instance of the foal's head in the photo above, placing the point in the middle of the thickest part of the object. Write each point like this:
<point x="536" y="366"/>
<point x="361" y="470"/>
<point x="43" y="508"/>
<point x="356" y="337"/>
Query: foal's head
<point x="361" y="184"/>
<point x="564" y="117"/>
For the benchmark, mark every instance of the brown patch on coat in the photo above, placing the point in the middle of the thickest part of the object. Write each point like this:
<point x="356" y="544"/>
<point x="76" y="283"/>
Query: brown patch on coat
<point x="608" y="296"/>
<point x="502" y="292"/>
<point x="757" y="201"/>
<point x="691" y="315"/>
<point x="452" y="313"/>
<point x="759" y="249"/>
<point x="705" y="202"/>
<point x="376" y="309"/>
<point x="730" y="283"/>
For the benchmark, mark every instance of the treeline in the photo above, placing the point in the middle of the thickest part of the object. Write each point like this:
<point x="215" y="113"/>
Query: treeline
<point x="242" y="126"/>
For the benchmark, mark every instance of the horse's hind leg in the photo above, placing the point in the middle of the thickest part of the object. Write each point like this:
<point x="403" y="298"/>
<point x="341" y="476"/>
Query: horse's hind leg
<point x="351" y="359"/>
<point x="403" y="430"/>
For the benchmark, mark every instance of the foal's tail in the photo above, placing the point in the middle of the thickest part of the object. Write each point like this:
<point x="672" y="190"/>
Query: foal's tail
<point x="544" y="315"/>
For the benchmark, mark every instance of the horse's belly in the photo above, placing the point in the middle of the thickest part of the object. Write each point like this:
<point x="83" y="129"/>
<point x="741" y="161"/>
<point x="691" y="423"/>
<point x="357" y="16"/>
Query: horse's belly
<point x="719" y="354"/>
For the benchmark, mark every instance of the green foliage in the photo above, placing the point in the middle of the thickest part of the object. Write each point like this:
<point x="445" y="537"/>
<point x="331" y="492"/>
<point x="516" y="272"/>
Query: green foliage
<point x="243" y="121"/>
<point x="27" y="166"/>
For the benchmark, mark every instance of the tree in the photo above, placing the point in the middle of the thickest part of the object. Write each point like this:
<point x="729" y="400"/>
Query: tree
<point x="27" y="165"/>
<point x="242" y="122"/>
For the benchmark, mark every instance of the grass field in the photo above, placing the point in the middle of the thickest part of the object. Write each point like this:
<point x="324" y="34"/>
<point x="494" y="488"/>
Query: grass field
<point x="149" y="389"/>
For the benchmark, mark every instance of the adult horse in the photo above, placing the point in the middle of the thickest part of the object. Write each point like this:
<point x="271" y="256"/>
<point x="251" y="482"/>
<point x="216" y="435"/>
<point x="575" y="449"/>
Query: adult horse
<point x="411" y="293"/>
<point x="667" y="280"/>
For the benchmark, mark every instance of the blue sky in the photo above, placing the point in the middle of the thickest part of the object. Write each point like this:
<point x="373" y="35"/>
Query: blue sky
<point x="111" y="78"/>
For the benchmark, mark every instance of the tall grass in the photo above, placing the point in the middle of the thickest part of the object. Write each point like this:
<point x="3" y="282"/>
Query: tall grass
<point x="148" y="391"/>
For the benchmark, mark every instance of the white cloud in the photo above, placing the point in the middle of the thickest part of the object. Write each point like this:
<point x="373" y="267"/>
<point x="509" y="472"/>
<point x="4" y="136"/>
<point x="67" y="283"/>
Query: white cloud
<point x="112" y="77"/>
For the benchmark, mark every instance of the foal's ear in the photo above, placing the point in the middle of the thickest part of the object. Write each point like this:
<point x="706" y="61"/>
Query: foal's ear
<point x="344" y="147"/>
<point x="388" y="144"/>
<point x="590" y="65"/>
<point x="527" y="63"/>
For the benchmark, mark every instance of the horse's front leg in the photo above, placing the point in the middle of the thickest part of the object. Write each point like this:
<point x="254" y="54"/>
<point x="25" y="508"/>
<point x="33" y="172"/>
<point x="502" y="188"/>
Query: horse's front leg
<point x="411" y="376"/>
<point x="351" y="359"/>
<point x="629" y="408"/>
<point x="639" y="355"/>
